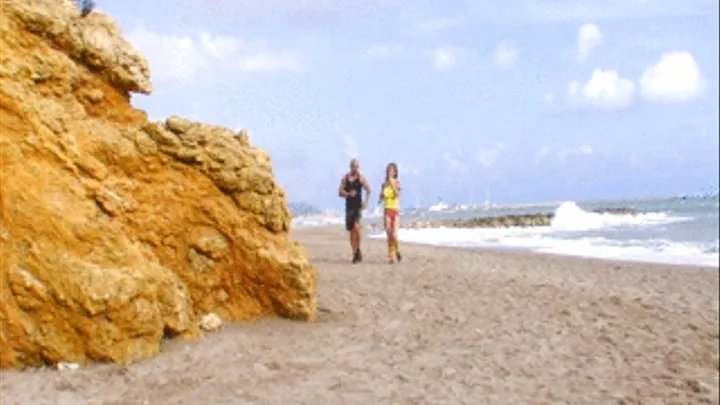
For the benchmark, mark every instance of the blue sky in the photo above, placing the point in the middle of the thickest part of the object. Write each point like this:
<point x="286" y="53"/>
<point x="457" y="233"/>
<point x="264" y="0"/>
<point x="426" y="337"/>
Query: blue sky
<point x="535" y="101"/>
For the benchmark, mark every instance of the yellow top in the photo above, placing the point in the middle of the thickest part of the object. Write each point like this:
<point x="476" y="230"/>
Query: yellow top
<point x="392" y="200"/>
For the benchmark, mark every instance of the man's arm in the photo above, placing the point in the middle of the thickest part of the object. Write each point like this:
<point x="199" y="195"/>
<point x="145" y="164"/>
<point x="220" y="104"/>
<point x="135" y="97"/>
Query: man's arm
<point x="341" y="191"/>
<point x="366" y="186"/>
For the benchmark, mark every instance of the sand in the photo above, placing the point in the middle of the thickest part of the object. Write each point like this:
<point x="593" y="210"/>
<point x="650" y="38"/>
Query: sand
<point x="445" y="326"/>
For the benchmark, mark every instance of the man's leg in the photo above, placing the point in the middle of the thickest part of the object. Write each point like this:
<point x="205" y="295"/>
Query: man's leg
<point x="356" y="237"/>
<point x="356" y="231"/>
<point x="351" y="224"/>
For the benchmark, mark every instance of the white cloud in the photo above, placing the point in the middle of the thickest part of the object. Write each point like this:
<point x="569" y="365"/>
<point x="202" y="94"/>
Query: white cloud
<point x="219" y="47"/>
<point x="556" y="11"/>
<point x="453" y="161"/>
<point x="438" y="24"/>
<point x="351" y="149"/>
<point x="505" y="55"/>
<point x="408" y="169"/>
<point x="269" y="61"/>
<point x="256" y="12"/>
<point x="487" y="157"/>
<point x="444" y="59"/>
<point x="183" y="58"/>
<point x="604" y="89"/>
<point x="563" y="153"/>
<point x="589" y="37"/>
<point x="541" y="154"/>
<point x="585" y="150"/>
<point x="675" y="77"/>
<point x="549" y="99"/>
<point x="169" y="56"/>
<point x="383" y="51"/>
<point x="423" y="128"/>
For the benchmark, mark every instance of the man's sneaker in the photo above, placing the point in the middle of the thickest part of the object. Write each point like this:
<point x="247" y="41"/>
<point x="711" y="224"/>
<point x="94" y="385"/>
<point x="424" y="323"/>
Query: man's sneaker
<point x="398" y="256"/>
<point x="357" y="257"/>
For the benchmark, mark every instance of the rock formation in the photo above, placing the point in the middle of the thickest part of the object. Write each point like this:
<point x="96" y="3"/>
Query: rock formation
<point x="117" y="232"/>
<point x="502" y="221"/>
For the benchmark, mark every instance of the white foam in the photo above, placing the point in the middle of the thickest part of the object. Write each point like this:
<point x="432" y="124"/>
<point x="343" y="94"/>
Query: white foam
<point x="375" y="213"/>
<point x="313" y="220"/>
<point x="541" y="240"/>
<point x="331" y="218"/>
<point x="655" y="250"/>
<point x="441" y="206"/>
<point x="570" y="217"/>
<point x="571" y="220"/>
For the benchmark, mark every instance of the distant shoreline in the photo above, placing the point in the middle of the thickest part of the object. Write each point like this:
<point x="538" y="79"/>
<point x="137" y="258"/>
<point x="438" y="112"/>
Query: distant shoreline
<point x="339" y="231"/>
<point x="678" y="231"/>
<point x="500" y="205"/>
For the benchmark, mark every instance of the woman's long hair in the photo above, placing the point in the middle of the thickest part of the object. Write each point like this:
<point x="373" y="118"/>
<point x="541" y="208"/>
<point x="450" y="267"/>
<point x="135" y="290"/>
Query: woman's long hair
<point x="387" y="170"/>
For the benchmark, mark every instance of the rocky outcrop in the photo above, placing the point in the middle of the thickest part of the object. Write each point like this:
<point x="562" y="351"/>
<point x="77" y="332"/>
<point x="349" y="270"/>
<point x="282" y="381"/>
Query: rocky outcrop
<point x="503" y="221"/>
<point x="616" y="211"/>
<point x="116" y="232"/>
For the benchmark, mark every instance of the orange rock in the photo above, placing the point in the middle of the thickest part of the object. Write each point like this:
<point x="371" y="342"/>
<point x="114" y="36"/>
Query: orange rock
<point x="116" y="232"/>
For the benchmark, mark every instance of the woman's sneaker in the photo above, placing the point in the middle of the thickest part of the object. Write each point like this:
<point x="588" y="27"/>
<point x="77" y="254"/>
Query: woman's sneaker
<point x="398" y="256"/>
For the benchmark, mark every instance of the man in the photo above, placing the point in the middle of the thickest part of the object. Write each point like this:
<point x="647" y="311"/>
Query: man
<point x="86" y="7"/>
<point x="351" y="188"/>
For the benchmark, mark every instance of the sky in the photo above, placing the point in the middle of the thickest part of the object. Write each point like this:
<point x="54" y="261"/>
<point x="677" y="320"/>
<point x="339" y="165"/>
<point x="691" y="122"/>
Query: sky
<point x="540" y="100"/>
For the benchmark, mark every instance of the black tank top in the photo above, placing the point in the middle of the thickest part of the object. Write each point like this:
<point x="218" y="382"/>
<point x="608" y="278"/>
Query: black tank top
<point x="353" y="202"/>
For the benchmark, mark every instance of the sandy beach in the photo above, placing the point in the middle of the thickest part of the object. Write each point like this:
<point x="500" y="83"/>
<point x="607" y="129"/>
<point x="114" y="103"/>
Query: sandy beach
<point x="445" y="326"/>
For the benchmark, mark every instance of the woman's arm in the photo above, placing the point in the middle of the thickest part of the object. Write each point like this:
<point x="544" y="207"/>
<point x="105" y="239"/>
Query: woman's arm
<point x="396" y="187"/>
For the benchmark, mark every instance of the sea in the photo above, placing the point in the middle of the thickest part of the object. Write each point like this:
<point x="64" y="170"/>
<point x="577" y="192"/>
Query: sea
<point x="676" y="230"/>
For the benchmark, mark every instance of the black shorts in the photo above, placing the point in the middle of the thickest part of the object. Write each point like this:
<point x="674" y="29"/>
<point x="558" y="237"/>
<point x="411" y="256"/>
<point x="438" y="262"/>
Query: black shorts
<point x="352" y="216"/>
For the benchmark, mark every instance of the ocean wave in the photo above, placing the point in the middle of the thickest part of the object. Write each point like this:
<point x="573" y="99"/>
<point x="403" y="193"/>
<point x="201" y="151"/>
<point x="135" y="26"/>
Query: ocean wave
<point x="570" y="217"/>
<point x="326" y="218"/>
<point x="566" y="236"/>
<point x="441" y="206"/>
<point x="653" y="250"/>
<point x="545" y="241"/>
<point x="314" y="220"/>
<point x="572" y="231"/>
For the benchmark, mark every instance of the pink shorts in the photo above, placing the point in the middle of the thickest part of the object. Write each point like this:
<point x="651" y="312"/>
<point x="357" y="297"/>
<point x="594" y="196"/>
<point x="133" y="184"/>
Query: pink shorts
<point x="392" y="215"/>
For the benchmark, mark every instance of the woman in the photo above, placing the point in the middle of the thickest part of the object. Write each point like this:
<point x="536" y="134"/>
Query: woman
<point x="390" y="194"/>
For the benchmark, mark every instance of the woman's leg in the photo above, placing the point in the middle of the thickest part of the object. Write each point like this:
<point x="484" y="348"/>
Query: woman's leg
<point x="396" y="241"/>
<point x="390" y="240"/>
<point x="387" y="223"/>
<point x="392" y="235"/>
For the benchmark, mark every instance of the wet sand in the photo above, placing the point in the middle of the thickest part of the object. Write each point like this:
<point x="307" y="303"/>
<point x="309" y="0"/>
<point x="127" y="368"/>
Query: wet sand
<point x="445" y="326"/>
